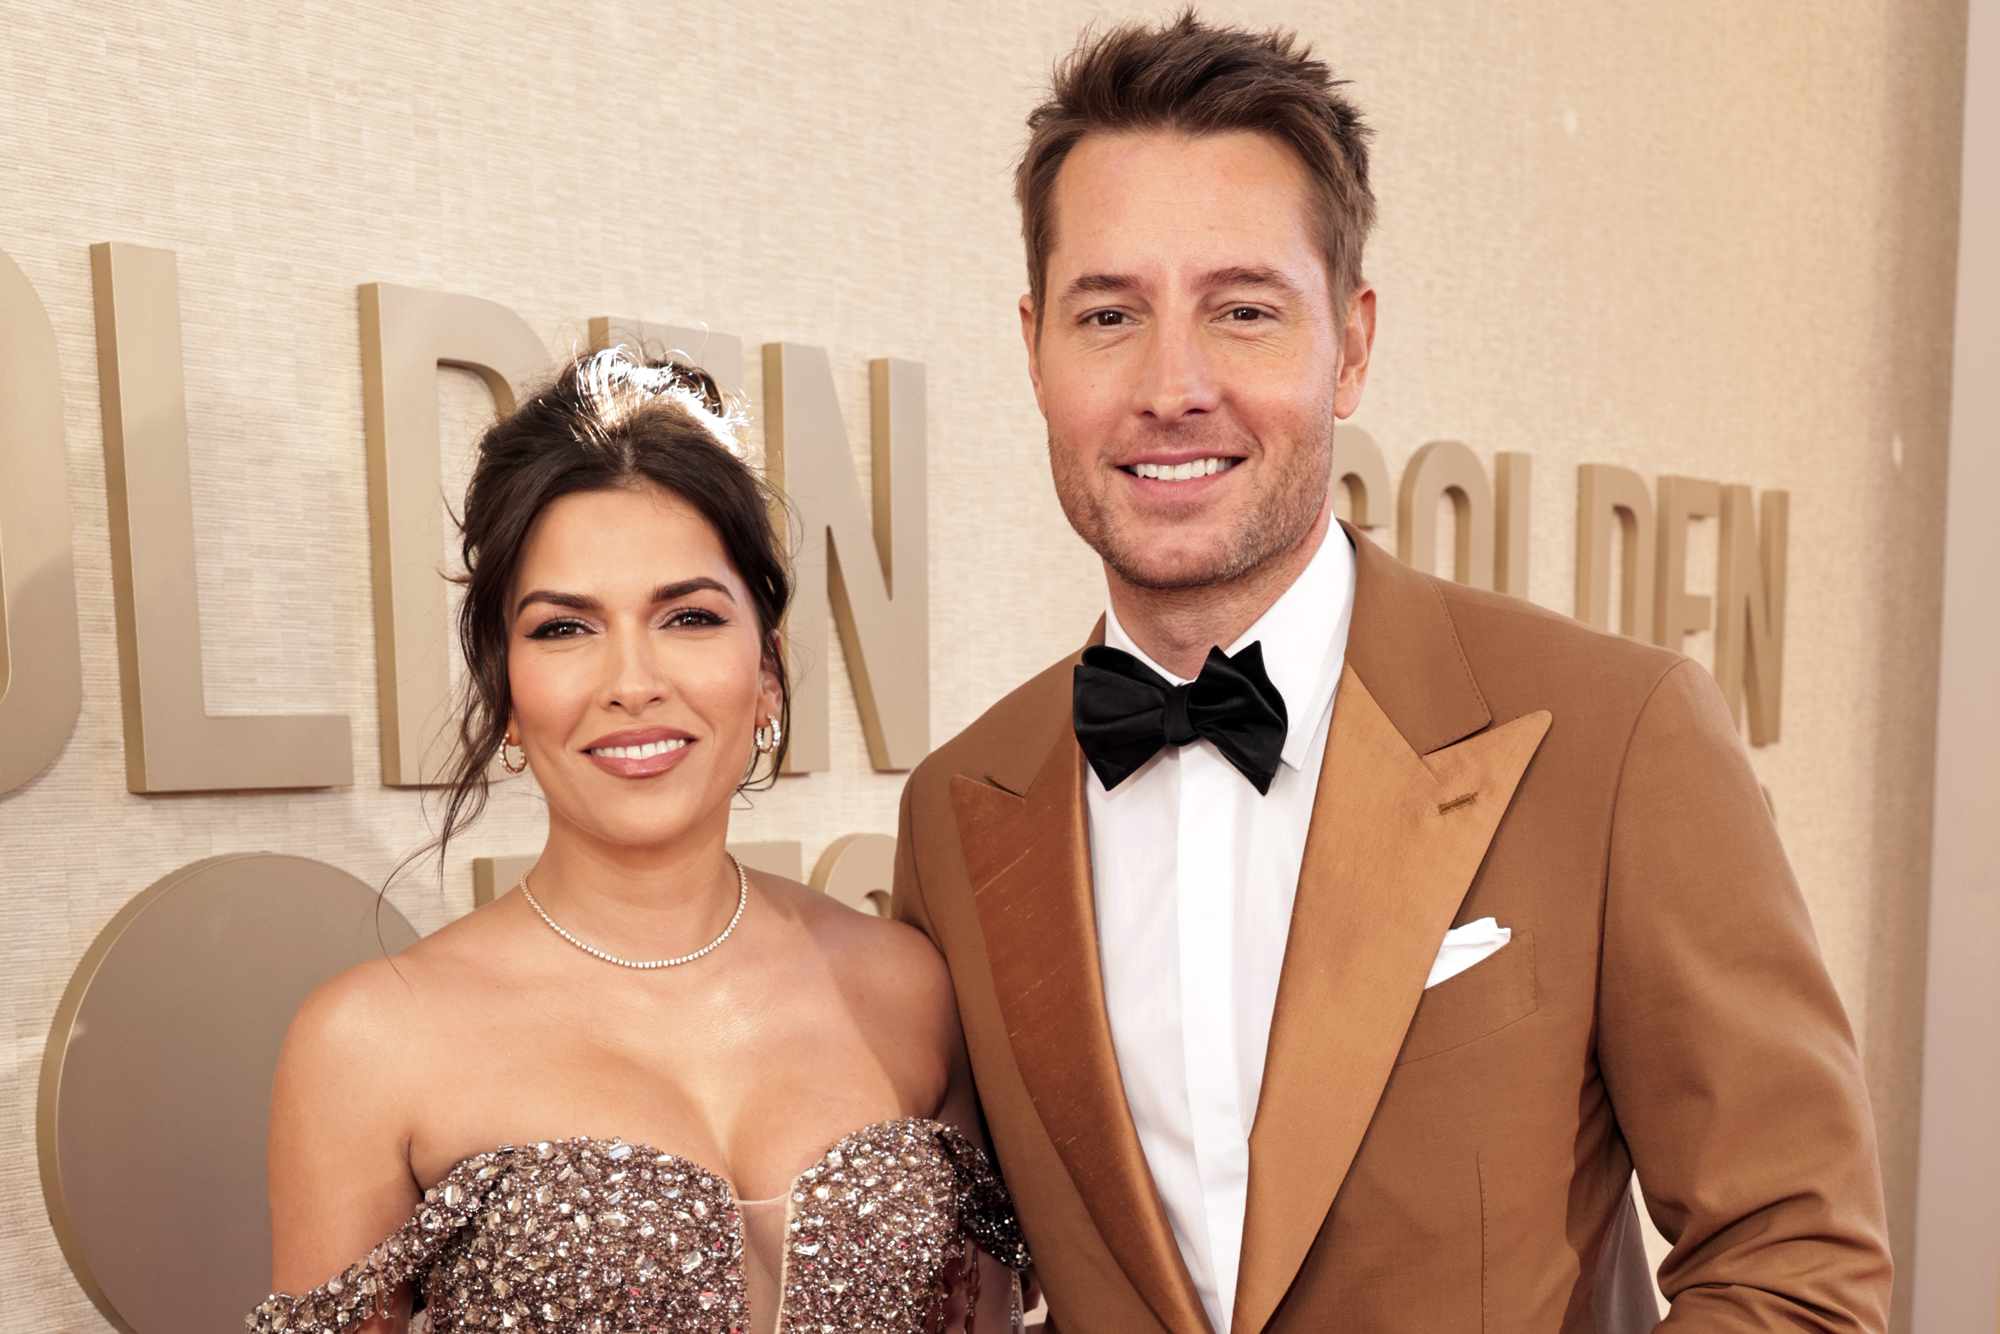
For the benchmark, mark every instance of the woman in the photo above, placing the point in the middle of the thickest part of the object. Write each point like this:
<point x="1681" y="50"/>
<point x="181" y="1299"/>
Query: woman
<point x="646" y="1090"/>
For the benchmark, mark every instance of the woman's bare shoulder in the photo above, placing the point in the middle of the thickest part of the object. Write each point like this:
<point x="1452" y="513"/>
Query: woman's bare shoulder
<point x="888" y="963"/>
<point x="389" y="1008"/>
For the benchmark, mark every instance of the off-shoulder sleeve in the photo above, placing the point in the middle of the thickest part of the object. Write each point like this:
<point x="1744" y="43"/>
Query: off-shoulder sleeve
<point x="360" y="1292"/>
<point x="985" y="1209"/>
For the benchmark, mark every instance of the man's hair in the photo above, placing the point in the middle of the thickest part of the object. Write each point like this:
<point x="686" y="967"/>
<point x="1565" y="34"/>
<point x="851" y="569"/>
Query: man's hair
<point x="1190" y="76"/>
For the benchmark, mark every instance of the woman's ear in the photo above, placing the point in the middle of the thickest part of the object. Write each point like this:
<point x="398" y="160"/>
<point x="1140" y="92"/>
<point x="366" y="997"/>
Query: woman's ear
<point x="771" y="697"/>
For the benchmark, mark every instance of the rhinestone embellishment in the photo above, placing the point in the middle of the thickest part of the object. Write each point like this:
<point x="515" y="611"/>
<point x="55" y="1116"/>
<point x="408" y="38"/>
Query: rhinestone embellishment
<point x="542" y="1238"/>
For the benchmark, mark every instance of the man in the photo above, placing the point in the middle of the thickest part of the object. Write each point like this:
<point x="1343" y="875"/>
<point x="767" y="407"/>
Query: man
<point x="1344" y="987"/>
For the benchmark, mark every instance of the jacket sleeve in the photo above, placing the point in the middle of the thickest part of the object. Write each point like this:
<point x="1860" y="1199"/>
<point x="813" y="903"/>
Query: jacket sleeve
<point x="1730" y="1063"/>
<point x="906" y="897"/>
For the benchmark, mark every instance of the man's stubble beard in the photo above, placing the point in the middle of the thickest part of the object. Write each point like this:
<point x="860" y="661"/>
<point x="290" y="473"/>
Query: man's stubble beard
<point x="1264" y="533"/>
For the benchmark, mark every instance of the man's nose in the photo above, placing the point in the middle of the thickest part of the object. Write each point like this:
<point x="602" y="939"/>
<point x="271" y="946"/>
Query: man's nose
<point x="1176" y="380"/>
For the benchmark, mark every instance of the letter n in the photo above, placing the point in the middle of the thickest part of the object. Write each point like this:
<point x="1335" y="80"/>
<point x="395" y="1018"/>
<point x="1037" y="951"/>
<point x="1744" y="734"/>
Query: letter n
<point x="1750" y="608"/>
<point x="869" y="576"/>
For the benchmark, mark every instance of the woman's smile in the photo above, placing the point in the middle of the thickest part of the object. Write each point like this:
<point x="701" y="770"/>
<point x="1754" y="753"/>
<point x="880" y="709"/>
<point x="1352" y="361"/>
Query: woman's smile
<point x="640" y="752"/>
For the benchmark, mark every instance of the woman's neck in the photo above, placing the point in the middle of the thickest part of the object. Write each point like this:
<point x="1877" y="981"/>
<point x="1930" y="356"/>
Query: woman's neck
<point x="651" y="902"/>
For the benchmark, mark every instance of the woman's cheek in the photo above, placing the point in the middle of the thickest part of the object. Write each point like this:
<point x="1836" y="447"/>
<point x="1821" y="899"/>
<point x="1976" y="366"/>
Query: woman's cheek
<point x="724" y="690"/>
<point x="543" y="694"/>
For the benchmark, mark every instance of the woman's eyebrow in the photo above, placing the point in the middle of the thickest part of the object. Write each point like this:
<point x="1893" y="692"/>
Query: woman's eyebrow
<point x="680" y="588"/>
<point x="669" y="592"/>
<point x="574" y="601"/>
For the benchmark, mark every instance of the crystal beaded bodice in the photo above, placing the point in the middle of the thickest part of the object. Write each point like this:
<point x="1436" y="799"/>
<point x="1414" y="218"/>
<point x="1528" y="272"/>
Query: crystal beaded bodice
<point x="607" y="1236"/>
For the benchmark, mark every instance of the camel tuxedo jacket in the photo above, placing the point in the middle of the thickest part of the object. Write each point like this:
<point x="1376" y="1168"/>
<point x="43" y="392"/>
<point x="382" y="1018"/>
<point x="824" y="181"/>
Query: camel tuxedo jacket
<point x="1459" y="1158"/>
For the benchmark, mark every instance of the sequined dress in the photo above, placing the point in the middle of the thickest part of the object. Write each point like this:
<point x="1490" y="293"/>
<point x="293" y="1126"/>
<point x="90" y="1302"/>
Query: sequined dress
<point x="611" y="1237"/>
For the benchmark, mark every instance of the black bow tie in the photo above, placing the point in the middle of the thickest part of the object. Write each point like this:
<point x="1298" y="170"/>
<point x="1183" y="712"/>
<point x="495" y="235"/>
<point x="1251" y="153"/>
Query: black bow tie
<point x="1125" y="711"/>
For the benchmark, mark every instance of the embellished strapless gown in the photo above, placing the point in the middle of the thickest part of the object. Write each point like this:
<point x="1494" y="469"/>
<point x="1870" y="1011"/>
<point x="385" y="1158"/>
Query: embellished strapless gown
<point x="612" y="1237"/>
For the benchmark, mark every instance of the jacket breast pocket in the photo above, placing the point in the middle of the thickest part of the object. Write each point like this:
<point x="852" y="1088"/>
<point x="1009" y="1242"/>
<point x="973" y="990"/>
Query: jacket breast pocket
<point x="1497" y="991"/>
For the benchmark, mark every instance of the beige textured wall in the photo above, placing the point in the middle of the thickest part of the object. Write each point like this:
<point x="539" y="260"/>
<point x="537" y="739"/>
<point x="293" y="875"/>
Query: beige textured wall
<point x="1956" y="1279"/>
<point x="1714" y="238"/>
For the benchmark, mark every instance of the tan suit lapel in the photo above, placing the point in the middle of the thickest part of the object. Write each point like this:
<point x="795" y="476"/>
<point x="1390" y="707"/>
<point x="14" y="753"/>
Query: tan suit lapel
<point x="1027" y="852"/>
<point x="1395" y="841"/>
<point x="1400" y="825"/>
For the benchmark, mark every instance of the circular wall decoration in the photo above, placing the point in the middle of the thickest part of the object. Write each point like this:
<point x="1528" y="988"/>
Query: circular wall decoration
<point x="156" y="1082"/>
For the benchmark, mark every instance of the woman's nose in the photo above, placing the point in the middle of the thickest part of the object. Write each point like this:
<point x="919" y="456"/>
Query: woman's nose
<point x="635" y="676"/>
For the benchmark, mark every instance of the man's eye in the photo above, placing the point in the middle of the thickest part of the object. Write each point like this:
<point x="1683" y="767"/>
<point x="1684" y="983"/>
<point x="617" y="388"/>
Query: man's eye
<point x="1245" y="314"/>
<point x="558" y="629"/>
<point x="1105" y="319"/>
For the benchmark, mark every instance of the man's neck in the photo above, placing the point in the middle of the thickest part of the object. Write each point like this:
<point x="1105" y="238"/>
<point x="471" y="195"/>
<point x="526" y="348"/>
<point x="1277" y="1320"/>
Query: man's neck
<point x="1176" y="627"/>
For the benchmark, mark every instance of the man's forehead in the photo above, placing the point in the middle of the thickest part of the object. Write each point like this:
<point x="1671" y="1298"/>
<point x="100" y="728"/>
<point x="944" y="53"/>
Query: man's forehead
<point x="1181" y="203"/>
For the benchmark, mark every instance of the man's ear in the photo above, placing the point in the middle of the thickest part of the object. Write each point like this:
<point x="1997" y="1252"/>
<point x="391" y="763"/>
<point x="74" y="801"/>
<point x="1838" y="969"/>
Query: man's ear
<point x="1357" y="344"/>
<point x="1031" y="338"/>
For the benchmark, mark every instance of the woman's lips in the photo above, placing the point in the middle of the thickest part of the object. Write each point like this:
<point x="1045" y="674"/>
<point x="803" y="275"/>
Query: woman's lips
<point x="641" y="761"/>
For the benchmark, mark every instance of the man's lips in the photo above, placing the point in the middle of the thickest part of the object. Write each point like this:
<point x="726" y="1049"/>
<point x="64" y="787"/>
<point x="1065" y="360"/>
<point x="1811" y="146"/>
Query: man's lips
<point x="1177" y="470"/>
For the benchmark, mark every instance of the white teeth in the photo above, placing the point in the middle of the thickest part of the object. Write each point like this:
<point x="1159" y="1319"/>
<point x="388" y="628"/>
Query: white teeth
<point x="1180" y="472"/>
<point x="645" y="752"/>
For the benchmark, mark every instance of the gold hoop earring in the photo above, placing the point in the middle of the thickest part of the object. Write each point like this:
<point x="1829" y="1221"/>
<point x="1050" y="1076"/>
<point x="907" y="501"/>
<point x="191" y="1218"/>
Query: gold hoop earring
<point x="508" y="764"/>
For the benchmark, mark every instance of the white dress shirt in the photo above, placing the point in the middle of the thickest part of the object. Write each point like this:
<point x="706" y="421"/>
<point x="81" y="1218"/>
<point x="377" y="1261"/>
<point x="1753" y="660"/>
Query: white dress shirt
<point x="1194" y="875"/>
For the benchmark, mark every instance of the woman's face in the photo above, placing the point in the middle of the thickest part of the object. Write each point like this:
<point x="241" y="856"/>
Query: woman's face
<point x="637" y="667"/>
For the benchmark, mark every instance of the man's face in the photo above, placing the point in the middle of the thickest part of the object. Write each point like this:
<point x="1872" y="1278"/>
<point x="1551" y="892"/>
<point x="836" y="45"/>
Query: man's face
<point x="1189" y="360"/>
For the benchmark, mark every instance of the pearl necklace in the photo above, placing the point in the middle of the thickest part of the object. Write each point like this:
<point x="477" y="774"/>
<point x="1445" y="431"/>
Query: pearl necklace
<point x="742" y="902"/>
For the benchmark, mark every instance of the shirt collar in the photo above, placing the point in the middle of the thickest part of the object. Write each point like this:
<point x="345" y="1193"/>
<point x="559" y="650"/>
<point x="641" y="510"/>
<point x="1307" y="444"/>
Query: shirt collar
<point x="1304" y="634"/>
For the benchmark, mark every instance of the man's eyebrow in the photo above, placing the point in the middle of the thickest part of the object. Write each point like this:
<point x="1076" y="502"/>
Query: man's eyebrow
<point x="583" y="602"/>
<point x="1100" y="284"/>
<point x="1250" y="275"/>
<point x="1232" y="275"/>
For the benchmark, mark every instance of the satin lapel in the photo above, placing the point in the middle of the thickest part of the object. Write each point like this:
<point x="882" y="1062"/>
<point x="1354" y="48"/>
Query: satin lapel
<point x="1029" y="860"/>
<point x="1396" y="839"/>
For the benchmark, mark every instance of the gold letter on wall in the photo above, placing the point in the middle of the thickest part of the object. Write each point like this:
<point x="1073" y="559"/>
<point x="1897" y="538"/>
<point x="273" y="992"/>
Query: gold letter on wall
<point x="41" y="666"/>
<point x="1447" y="468"/>
<point x="859" y="870"/>
<point x="1609" y="497"/>
<point x="1750" y="608"/>
<point x="1682" y="500"/>
<point x="1358" y="466"/>
<point x="874" y="578"/>
<point x="406" y="335"/>
<point x="1515" y="474"/>
<point x="171" y="742"/>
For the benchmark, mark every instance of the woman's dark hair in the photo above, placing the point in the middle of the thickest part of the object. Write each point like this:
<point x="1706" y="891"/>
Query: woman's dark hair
<point x="606" y="421"/>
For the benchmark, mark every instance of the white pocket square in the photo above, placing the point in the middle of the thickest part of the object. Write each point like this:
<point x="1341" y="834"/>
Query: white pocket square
<point x="1465" y="946"/>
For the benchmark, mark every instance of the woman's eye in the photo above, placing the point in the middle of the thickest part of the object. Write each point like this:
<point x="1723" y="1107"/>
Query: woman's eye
<point x="694" y="616"/>
<point x="560" y="629"/>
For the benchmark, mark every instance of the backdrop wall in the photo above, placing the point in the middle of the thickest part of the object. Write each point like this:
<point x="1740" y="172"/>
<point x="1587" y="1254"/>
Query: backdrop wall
<point x="1709" y="239"/>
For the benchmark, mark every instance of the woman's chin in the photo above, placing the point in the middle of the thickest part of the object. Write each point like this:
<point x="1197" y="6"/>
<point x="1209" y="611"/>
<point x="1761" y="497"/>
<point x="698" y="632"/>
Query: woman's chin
<point x="635" y="824"/>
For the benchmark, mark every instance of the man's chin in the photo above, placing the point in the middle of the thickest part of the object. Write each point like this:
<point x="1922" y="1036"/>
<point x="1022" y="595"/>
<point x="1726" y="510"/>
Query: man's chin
<point x="1171" y="571"/>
